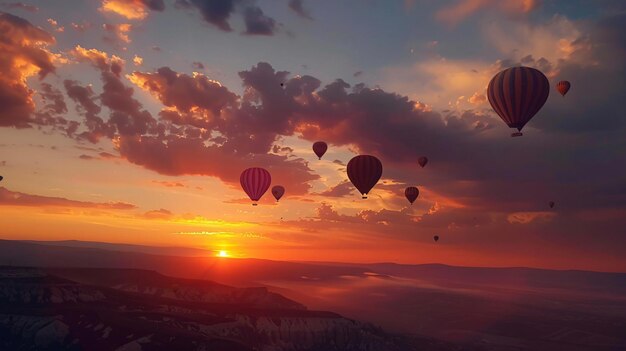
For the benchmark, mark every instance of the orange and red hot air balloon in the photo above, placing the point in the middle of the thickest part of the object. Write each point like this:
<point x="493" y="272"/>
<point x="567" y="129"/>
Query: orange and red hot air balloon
<point x="411" y="194"/>
<point x="364" y="172"/>
<point x="278" y="191"/>
<point x="422" y="161"/>
<point x="516" y="94"/>
<point x="255" y="181"/>
<point x="320" y="147"/>
<point x="563" y="87"/>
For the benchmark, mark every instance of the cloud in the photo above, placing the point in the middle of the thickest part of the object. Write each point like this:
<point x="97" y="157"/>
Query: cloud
<point x="132" y="9"/>
<point x="138" y="60"/>
<point x="85" y="100"/>
<point x="257" y="23"/>
<point x="158" y="214"/>
<point x="169" y="184"/>
<point x="345" y="188"/>
<point x="461" y="9"/>
<point x="20" y="6"/>
<point x="117" y="34"/>
<point x="296" y="6"/>
<point x="23" y="54"/>
<point x="218" y="14"/>
<point x="197" y="65"/>
<point x="13" y="198"/>
<point x="127" y="114"/>
<point x="81" y="27"/>
<point x="55" y="25"/>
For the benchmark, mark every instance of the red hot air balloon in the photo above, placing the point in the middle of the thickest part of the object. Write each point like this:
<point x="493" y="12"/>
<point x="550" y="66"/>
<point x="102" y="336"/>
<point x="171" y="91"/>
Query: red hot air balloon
<point x="255" y="182"/>
<point x="278" y="191"/>
<point x="563" y="87"/>
<point x="411" y="194"/>
<point x="364" y="172"/>
<point x="516" y="94"/>
<point x="320" y="147"/>
<point x="422" y="161"/>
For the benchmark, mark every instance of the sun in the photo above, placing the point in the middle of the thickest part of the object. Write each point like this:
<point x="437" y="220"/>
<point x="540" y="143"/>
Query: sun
<point x="222" y="253"/>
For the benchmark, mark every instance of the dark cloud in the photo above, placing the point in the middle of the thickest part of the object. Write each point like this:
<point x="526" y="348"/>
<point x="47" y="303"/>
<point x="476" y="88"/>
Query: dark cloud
<point x="257" y="23"/>
<point x="345" y="188"/>
<point x="85" y="100"/>
<point x="296" y="6"/>
<point x="197" y="65"/>
<point x="218" y="14"/>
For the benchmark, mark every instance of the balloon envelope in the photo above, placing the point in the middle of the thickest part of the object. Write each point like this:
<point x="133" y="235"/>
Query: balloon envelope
<point x="1" y="177"/>
<point x="551" y="204"/>
<point x="255" y="181"/>
<point x="411" y="194"/>
<point x="516" y="94"/>
<point x="278" y="191"/>
<point x="320" y="147"/>
<point x="563" y="87"/>
<point x="364" y="172"/>
<point x="422" y="161"/>
<point x="436" y="238"/>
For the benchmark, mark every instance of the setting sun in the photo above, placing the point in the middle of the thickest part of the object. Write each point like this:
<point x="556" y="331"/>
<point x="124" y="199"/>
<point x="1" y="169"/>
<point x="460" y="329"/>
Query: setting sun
<point x="222" y="253"/>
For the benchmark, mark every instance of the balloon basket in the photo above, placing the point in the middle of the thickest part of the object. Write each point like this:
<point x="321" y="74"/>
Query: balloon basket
<point x="363" y="197"/>
<point x="517" y="134"/>
<point x="255" y="204"/>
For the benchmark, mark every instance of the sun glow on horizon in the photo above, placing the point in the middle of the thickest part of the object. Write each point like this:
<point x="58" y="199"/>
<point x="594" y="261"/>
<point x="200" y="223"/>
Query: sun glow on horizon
<point x="222" y="253"/>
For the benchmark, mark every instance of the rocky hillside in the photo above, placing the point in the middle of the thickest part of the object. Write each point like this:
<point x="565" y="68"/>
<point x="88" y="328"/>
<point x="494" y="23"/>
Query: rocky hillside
<point x="42" y="311"/>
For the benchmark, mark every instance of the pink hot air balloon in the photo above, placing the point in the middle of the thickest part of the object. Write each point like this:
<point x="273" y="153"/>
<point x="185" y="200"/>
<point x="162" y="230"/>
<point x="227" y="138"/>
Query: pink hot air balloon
<point x="255" y="181"/>
<point x="411" y="194"/>
<point x="364" y="172"/>
<point x="422" y="161"/>
<point x="320" y="147"/>
<point x="278" y="191"/>
<point x="563" y="87"/>
<point x="516" y="94"/>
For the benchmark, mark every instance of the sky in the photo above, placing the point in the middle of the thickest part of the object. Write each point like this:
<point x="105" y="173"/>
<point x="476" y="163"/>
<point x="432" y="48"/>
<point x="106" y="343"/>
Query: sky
<point x="130" y="121"/>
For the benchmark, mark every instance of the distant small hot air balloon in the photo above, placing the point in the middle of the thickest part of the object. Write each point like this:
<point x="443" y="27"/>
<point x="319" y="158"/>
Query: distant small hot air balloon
<point x="364" y="172"/>
<point x="320" y="147"/>
<point x="436" y="238"/>
<point x="411" y="194"/>
<point x="563" y="87"/>
<point x="551" y="204"/>
<point x="422" y="161"/>
<point x="278" y="191"/>
<point x="255" y="181"/>
<point x="516" y="94"/>
<point x="1" y="177"/>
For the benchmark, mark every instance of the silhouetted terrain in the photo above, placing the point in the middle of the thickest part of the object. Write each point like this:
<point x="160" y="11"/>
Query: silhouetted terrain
<point x="472" y="308"/>
<point x="143" y="310"/>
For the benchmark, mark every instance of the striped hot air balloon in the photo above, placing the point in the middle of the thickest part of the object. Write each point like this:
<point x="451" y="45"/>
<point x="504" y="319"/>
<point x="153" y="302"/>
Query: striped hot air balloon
<point x="364" y="172"/>
<point x="563" y="87"/>
<point x="516" y="94"/>
<point x="320" y="147"/>
<point x="278" y="191"/>
<point x="411" y="194"/>
<point x="255" y="181"/>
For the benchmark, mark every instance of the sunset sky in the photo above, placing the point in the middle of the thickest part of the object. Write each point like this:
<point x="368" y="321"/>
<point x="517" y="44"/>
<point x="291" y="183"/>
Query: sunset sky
<point x="130" y="121"/>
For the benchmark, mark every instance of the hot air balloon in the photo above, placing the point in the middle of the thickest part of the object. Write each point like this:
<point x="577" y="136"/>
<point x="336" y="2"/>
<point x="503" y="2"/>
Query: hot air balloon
<point x="411" y="194"/>
<point x="563" y="87"/>
<point x="364" y="172"/>
<point x="516" y="94"/>
<point x="436" y="238"/>
<point x="255" y="181"/>
<point x="551" y="204"/>
<point x="320" y="147"/>
<point x="1" y="177"/>
<point x="278" y="191"/>
<point x="422" y="161"/>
